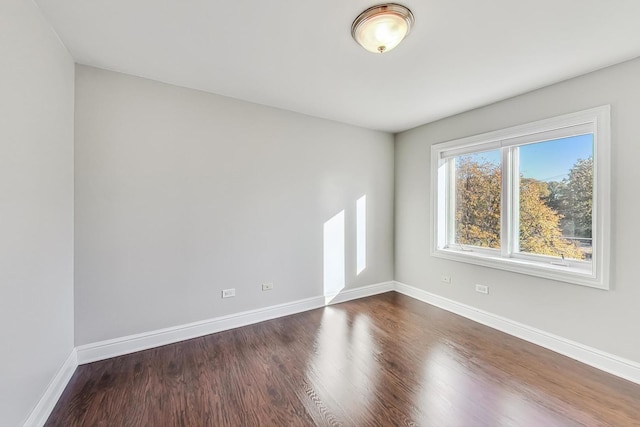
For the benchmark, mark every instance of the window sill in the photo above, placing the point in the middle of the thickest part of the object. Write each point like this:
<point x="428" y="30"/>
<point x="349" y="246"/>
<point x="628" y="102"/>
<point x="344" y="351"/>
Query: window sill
<point x="568" y="274"/>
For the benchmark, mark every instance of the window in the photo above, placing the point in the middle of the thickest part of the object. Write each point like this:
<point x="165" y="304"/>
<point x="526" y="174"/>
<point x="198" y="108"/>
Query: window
<point x="533" y="199"/>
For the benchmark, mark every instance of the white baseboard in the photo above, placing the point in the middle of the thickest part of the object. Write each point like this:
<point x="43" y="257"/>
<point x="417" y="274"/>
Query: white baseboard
<point x="54" y="390"/>
<point x="129" y="344"/>
<point x="610" y="363"/>
<point x="357" y="293"/>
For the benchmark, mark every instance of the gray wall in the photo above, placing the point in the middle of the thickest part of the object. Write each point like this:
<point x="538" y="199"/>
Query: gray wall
<point x="36" y="208"/>
<point x="180" y="194"/>
<point x="606" y="320"/>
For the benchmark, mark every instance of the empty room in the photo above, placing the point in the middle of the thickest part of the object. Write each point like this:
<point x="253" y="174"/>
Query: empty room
<point x="339" y="213"/>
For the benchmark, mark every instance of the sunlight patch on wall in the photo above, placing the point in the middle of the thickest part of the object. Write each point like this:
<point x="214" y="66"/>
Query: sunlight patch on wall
<point x="361" y="234"/>
<point x="334" y="256"/>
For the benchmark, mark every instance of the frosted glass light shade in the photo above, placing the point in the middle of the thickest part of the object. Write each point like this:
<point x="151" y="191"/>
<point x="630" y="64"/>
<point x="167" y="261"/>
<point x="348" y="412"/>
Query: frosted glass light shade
<point x="381" y="28"/>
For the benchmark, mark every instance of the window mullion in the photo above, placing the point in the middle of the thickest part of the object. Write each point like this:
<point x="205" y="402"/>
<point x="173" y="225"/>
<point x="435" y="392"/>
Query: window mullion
<point x="505" y="205"/>
<point x="514" y="230"/>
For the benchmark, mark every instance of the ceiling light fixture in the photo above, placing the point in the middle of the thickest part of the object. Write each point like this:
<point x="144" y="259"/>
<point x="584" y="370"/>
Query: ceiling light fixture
<point x="381" y="28"/>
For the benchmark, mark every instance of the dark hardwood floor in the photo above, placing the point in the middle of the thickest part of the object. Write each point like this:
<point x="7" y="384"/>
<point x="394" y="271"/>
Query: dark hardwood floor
<point x="380" y="361"/>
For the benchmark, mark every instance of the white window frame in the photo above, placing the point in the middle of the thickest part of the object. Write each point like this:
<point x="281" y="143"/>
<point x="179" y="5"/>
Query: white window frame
<point x="595" y="273"/>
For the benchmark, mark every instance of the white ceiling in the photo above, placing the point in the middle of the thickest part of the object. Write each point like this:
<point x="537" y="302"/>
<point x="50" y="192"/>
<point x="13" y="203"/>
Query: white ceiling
<point x="298" y="54"/>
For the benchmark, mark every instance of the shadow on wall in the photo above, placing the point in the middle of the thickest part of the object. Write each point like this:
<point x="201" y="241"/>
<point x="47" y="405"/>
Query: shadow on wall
<point x="334" y="253"/>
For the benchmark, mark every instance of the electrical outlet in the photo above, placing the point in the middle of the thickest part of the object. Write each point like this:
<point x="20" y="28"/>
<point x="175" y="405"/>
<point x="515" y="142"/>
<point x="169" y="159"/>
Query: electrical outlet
<point x="445" y="279"/>
<point x="229" y="293"/>
<point x="483" y="289"/>
<point x="267" y="286"/>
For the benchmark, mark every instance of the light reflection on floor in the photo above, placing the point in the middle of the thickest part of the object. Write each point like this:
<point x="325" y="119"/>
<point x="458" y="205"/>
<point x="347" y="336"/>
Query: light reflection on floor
<point x="358" y="372"/>
<point x="343" y="356"/>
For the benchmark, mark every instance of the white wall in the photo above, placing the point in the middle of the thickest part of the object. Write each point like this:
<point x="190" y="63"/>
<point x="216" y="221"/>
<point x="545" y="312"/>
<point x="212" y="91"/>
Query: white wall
<point x="36" y="208"/>
<point x="180" y="194"/>
<point x="607" y="320"/>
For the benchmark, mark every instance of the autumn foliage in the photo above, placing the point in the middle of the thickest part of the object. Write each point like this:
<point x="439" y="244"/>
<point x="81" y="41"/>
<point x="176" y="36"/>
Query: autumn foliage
<point x="477" y="203"/>
<point x="540" y="231"/>
<point x="477" y="211"/>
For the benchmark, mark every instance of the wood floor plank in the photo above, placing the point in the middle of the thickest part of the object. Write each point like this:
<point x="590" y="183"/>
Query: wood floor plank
<point x="385" y="360"/>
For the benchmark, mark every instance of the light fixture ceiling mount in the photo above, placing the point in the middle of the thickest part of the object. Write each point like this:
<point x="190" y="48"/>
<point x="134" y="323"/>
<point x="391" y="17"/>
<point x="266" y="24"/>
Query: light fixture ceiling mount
<point x="381" y="28"/>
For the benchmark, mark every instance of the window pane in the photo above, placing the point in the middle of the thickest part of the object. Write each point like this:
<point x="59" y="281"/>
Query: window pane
<point x="556" y="197"/>
<point x="478" y="182"/>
